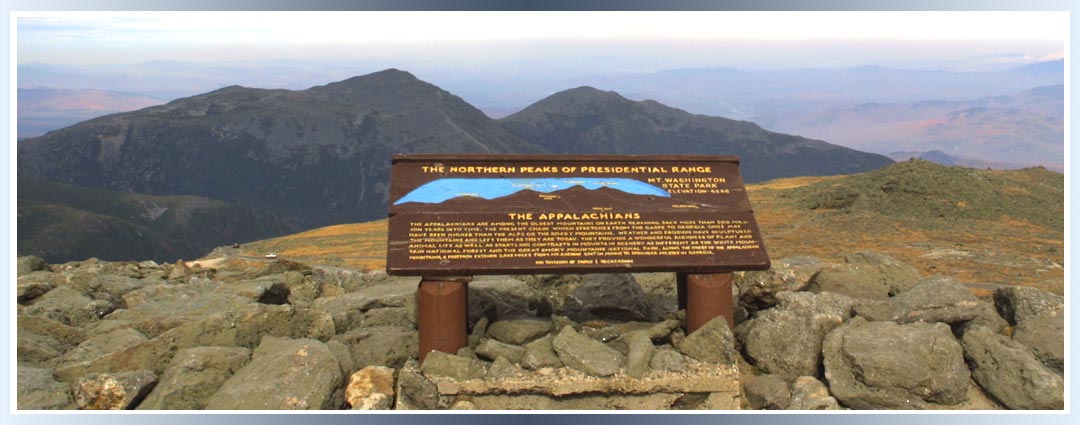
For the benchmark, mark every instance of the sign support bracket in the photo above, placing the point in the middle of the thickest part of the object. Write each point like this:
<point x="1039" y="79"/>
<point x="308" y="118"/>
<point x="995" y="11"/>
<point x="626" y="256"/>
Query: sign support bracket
<point x="441" y="310"/>
<point x="705" y="296"/>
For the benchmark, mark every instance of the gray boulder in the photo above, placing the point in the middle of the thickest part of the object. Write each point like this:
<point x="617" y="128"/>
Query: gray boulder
<point x="1044" y="334"/>
<point x="1009" y="372"/>
<point x="786" y="340"/>
<point x="36" y="389"/>
<point x="827" y="303"/>
<point x="884" y="365"/>
<point x="518" y="332"/>
<point x="29" y="264"/>
<point x="769" y="392"/>
<point x="540" y="354"/>
<point x="504" y="298"/>
<point x="853" y="280"/>
<point x="156" y="309"/>
<point x="1017" y="303"/>
<point x="438" y="363"/>
<point x="75" y="362"/>
<point x="503" y="368"/>
<point x="363" y="307"/>
<point x="615" y="334"/>
<point x="34" y="349"/>
<point x="344" y="357"/>
<point x="113" y="391"/>
<point x="180" y="270"/>
<point x="244" y="325"/>
<point x="758" y="289"/>
<point x="586" y="354"/>
<point x="807" y="393"/>
<point x="31" y="286"/>
<point x="193" y="376"/>
<point x="491" y="349"/>
<point x="934" y="299"/>
<point x="987" y="316"/>
<point x="892" y="273"/>
<point x="108" y="288"/>
<point x="348" y="280"/>
<point x="46" y="326"/>
<point x="68" y="306"/>
<point x="607" y="297"/>
<point x="302" y="289"/>
<point x="414" y="391"/>
<point x="40" y="340"/>
<point x="713" y="342"/>
<point x="667" y="359"/>
<point x="382" y="346"/>
<point x="639" y="353"/>
<point x="284" y="374"/>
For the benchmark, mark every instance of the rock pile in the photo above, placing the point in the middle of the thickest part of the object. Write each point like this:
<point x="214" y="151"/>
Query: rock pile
<point x="880" y="336"/>
<point x="870" y="333"/>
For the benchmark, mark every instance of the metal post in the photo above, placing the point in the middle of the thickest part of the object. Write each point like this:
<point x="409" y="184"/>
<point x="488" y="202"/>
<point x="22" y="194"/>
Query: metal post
<point x="441" y="314"/>
<point x="708" y="296"/>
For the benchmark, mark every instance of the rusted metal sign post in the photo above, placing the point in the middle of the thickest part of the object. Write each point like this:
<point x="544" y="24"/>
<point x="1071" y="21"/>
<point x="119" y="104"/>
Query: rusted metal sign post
<point x="456" y="216"/>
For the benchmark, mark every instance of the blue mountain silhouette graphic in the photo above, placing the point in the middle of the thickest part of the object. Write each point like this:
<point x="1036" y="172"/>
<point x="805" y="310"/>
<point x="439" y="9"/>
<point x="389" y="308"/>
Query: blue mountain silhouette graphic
<point x="440" y="190"/>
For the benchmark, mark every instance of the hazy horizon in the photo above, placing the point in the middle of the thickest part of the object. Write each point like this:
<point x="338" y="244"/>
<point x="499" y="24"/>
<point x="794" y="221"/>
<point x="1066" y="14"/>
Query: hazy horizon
<point x="583" y="42"/>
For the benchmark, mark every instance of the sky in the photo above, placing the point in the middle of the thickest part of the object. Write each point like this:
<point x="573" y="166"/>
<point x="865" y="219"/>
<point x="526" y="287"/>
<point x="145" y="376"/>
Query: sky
<point x="579" y="41"/>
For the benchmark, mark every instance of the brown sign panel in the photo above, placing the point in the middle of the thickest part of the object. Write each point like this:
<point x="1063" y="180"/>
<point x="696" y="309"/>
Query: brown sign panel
<point x="526" y="214"/>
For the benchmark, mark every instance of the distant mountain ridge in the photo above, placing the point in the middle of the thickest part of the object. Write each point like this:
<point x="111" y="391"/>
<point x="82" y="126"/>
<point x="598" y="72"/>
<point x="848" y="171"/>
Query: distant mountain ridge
<point x="1026" y="128"/>
<point x="321" y="156"/>
<point x="586" y="120"/>
<point x="942" y="158"/>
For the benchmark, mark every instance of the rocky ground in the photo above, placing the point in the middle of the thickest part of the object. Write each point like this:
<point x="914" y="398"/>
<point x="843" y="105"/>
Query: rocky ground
<point x="866" y="333"/>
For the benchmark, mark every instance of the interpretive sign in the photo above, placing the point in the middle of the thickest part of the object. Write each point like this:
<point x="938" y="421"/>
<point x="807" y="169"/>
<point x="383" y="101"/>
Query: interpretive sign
<point x="521" y="214"/>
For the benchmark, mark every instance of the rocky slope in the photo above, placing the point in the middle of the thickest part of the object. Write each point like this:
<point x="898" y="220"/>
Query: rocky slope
<point x="284" y="335"/>
<point x="60" y="222"/>
<point x="585" y="120"/>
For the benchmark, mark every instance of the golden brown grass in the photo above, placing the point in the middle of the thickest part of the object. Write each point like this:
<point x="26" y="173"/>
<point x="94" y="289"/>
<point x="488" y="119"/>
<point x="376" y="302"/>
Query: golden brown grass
<point x="360" y="245"/>
<point x="1003" y="251"/>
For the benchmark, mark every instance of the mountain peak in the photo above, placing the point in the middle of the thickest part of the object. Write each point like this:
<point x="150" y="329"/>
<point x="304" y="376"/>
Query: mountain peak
<point x="386" y="76"/>
<point x="390" y="74"/>
<point x="587" y="93"/>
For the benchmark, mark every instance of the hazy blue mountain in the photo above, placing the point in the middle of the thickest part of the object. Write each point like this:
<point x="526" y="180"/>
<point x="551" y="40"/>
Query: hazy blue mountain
<point x="1026" y="128"/>
<point x="764" y="95"/>
<point x="943" y="158"/>
<point x="586" y="120"/>
<point x="760" y="95"/>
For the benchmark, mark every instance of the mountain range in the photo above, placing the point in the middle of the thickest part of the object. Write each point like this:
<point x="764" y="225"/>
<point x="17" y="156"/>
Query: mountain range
<point x="981" y="115"/>
<point x="586" y="120"/>
<point x="1026" y="128"/>
<point x="321" y="156"/>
